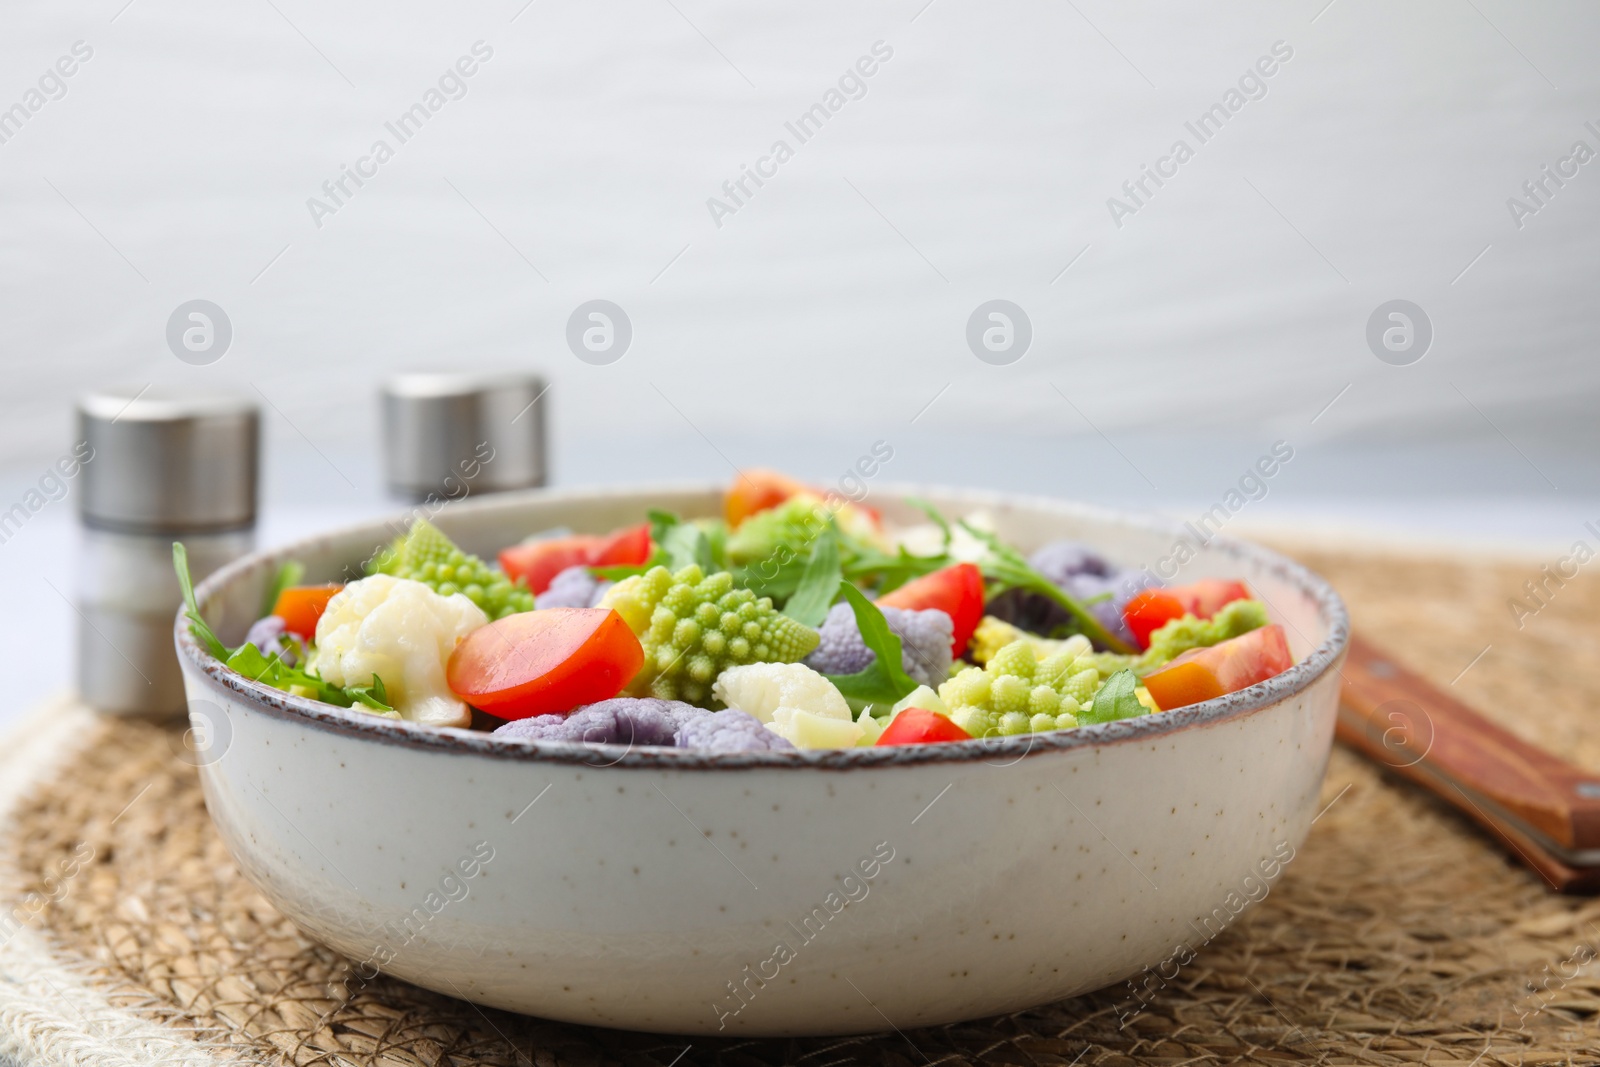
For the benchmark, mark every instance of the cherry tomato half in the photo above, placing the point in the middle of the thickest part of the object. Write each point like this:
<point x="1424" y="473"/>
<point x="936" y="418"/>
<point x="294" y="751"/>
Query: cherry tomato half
<point x="956" y="590"/>
<point x="1226" y="667"/>
<point x="758" y="489"/>
<point x="1152" y="609"/>
<point x="918" y="726"/>
<point x="542" y="662"/>
<point x="627" y="547"/>
<point x="300" y="606"/>
<point x="538" y="562"/>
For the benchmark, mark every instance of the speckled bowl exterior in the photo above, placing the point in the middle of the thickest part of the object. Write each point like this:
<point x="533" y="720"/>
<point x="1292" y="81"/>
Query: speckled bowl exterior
<point x="780" y="893"/>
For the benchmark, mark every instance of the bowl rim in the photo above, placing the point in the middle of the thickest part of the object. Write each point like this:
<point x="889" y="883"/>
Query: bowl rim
<point x="1324" y="657"/>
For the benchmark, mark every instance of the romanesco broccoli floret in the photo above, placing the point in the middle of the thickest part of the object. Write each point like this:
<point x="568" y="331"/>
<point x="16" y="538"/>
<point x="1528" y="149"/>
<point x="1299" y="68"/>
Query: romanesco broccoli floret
<point x="1166" y="644"/>
<point x="424" y="554"/>
<point x="1016" y="692"/>
<point x="993" y="634"/>
<point x="1180" y="635"/>
<point x="694" y="627"/>
<point x="793" y="525"/>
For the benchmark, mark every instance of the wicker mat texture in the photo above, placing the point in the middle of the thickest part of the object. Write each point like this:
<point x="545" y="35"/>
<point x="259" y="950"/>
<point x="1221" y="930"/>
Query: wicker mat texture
<point x="1400" y="934"/>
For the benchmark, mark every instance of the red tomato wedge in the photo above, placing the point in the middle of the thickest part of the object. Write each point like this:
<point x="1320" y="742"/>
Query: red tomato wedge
<point x="538" y="562"/>
<point x="1152" y="609"/>
<point x="758" y="489"/>
<point x="1227" y="667"/>
<point x="627" y="547"/>
<point x="957" y="591"/>
<point x="300" y="606"/>
<point x="544" y="662"/>
<point x="918" y="726"/>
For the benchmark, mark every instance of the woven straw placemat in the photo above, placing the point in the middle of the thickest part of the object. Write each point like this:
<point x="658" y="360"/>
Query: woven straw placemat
<point x="1399" y="934"/>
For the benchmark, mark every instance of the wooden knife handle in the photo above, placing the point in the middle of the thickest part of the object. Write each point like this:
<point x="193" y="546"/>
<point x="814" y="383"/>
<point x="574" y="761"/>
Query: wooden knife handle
<point x="1426" y="735"/>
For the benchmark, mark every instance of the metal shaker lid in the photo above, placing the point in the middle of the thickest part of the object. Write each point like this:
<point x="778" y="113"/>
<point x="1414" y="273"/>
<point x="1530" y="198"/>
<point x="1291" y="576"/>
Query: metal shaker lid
<point x="453" y="434"/>
<point x="168" y="462"/>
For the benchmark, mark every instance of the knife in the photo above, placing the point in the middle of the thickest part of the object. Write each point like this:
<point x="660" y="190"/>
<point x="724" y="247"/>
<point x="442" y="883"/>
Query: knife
<point x="1546" y="810"/>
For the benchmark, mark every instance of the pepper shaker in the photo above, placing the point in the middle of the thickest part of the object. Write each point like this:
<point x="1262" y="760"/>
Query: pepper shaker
<point x="450" y="435"/>
<point x="159" y="469"/>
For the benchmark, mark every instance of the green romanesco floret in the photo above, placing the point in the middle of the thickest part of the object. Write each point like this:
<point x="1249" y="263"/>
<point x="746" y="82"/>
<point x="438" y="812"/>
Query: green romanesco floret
<point x="1017" y="692"/>
<point x="1166" y="644"/>
<point x="1180" y="635"/>
<point x="994" y="634"/>
<point x="788" y="530"/>
<point x="426" y="555"/>
<point x="694" y="627"/>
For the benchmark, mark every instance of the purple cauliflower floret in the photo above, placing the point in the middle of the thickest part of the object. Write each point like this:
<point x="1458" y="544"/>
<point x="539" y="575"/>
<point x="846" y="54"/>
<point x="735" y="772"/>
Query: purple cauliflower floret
<point x="925" y="640"/>
<point x="574" y="587"/>
<point x="730" y="731"/>
<point x="619" y="721"/>
<point x="1121" y="585"/>
<point x="1060" y="560"/>
<point x="267" y="635"/>
<point x="1083" y="574"/>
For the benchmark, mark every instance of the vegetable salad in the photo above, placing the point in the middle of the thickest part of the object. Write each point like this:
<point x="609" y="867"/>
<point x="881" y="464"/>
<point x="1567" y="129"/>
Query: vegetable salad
<point x="795" y="620"/>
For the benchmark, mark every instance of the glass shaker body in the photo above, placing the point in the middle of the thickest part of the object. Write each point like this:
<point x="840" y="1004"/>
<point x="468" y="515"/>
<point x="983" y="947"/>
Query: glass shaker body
<point x="159" y="469"/>
<point x="127" y="594"/>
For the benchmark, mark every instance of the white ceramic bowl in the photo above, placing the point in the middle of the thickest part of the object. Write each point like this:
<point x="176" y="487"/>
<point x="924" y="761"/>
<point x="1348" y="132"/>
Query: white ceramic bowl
<point x="772" y="894"/>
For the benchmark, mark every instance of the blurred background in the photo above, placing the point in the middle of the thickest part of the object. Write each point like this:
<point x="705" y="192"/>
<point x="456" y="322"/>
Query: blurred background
<point x="1160" y="333"/>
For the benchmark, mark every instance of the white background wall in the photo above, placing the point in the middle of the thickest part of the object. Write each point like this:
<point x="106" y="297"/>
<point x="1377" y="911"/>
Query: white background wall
<point x="831" y="309"/>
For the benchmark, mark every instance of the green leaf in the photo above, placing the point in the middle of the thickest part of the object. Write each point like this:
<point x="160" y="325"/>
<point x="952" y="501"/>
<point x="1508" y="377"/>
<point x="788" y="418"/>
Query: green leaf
<point x="373" y="696"/>
<point x="885" y="681"/>
<point x="616" y="574"/>
<point x="889" y="571"/>
<point x="1115" y="699"/>
<point x="716" y="532"/>
<point x="686" y="544"/>
<point x="288" y="575"/>
<point x="251" y="662"/>
<point x="197" y="624"/>
<point x="1006" y="566"/>
<point x="660" y="523"/>
<point x="934" y="516"/>
<point x="819" y="584"/>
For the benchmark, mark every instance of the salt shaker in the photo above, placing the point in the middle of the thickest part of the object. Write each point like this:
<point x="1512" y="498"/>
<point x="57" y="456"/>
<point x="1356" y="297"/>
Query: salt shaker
<point x="159" y="469"/>
<point x="451" y="435"/>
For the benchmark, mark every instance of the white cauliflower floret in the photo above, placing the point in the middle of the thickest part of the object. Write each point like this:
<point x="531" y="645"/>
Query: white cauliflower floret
<point x="796" y="703"/>
<point x="921" y="697"/>
<point x="927" y="539"/>
<point x="403" y="632"/>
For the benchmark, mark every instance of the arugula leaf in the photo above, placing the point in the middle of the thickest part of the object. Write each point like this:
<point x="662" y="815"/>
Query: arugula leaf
<point x="288" y="575"/>
<point x="679" y="543"/>
<point x="716" y="532"/>
<point x="1116" y="699"/>
<point x="1006" y="566"/>
<point x="934" y="516"/>
<point x="372" y="696"/>
<point x="889" y="571"/>
<point x="885" y="681"/>
<point x="197" y="624"/>
<point x="249" y="661"/>
<point x="660" y="523"/>
<point x="686" y="544"/>
<point x="616" y="574"/>
<point x="819" y="584"/>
